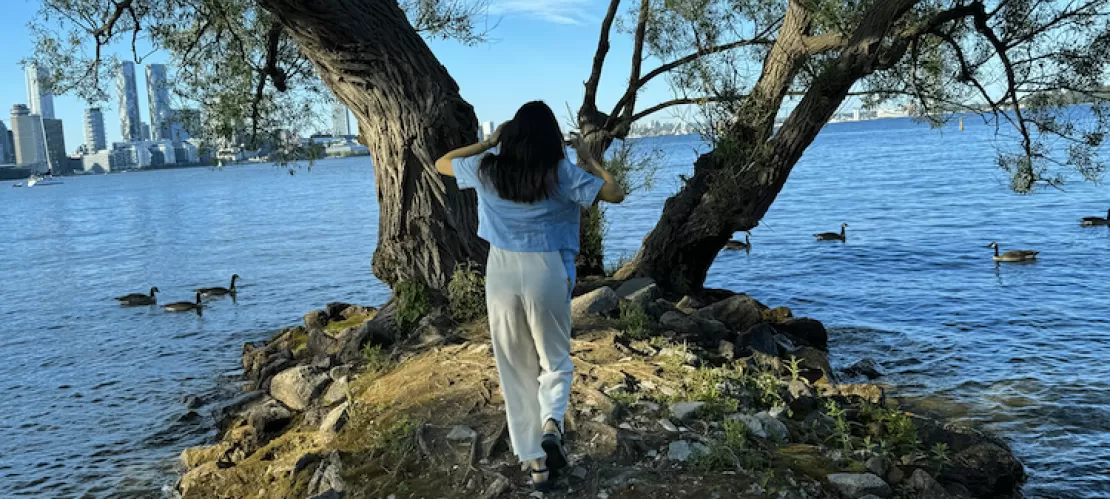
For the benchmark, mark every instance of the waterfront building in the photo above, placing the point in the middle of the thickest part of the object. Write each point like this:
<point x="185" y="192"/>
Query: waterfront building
<point x="39" y="97"/>
<point x="130" y="123"/>
<point x="487" y="130"/>
<point x="340" y="120"/>
<point x="7" y="152"/>
<point x="95" y="137"/>
<point x="97" y="162"/>
<point x="55" y="138"/>
<point x="30" y="145"/>
<point x="158" y="99"/>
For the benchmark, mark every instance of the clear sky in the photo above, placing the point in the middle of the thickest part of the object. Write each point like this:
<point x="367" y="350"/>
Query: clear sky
<point x="538" y="49"/>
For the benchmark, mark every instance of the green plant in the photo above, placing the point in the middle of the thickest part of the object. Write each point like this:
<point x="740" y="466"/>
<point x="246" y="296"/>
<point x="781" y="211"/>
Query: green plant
<point x="466" y="293"/>
<point x="396" y="441"/>
<point x="732" y="452"/>
<point x="375" y="359"/>
<point x="612" y="268"/>
<point x="765" y="386"/>
<point x="634" y="322"/>
<point x="413" y="303"/>
<point x="794" y="365"/>
<point x="940" y="456"/>
<point x="843" y="429"/>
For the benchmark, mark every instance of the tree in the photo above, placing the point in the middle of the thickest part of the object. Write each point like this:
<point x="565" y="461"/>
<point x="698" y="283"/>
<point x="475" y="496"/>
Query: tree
<point x="255" y="68"/>
<point x="1005" y="60"/>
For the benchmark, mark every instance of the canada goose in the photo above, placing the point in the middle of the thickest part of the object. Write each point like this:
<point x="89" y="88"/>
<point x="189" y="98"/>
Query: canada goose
<point x="737" y="245"/>
<point x="184" y="306"/>
<point x="218" y="291"/>
<point x="1093" y="221"/>
<point x="832" y="236"/>
<point x="136" y="299"/>
<point x="1013" y="256"/>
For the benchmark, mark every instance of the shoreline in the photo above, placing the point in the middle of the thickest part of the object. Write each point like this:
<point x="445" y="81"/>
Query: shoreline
<point x="322" y="405"/>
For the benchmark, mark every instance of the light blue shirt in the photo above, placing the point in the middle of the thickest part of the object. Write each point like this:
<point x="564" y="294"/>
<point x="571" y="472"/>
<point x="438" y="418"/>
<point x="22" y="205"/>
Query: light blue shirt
<point x="547" y="225"/>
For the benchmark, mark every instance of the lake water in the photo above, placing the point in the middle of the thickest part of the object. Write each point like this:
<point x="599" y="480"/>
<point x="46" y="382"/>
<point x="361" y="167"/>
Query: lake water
<point x="94" y="393"/>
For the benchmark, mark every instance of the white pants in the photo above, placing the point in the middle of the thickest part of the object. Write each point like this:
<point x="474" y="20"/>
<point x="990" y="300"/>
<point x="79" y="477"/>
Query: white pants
<point x="527" y="297"/>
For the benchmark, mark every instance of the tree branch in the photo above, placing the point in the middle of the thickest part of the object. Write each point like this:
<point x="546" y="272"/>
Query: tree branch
<point x="678" y="102"/>
<point x="590" y="100"/>
<point x="981" y="17"/>
<point x="637" y="62"/>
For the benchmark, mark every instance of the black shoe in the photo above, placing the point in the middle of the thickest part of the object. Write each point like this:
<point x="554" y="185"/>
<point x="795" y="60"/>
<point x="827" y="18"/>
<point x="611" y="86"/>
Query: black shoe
<point x="543" y="484"/>
<point x="553" y="445"/>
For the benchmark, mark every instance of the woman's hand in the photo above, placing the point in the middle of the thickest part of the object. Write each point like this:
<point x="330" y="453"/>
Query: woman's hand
<point x="495" y="137"/>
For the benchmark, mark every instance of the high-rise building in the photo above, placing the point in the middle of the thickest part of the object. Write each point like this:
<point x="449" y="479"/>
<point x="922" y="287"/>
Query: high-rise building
<point x="39" y="97"/>
<point x="144" y="131"/>
<point x="11" y="147"/>
<point x="30" y="145"/>
<point x="55" y="146"/>
<point x="6" y="151"/>
<point x="130" y="123"/>
<point x="158" y="98"/>
<point x="487" y="129"/>
<point x="95" y="138"/>
<point x="340" y="123"/>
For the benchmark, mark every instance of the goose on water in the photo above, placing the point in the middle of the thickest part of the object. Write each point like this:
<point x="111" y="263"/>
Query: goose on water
<point x="832" y="236"/>
<point x="185" y="306"/>
<point x="746" y="245"/>
<point x="219" y="291"/>
<point x="1093" y="221"/>
<point x="1013" y="256"/>
<point x="136" y="299"/>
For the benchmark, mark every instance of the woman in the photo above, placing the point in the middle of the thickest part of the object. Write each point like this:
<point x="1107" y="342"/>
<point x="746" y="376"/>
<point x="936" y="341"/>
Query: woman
<point x="529" y="196"/>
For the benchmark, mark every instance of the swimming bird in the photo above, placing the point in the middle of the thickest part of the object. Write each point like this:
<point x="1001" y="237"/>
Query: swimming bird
<point x="737" y="245"/>
<point x="1013" y="256"/>
<point x="184" y="306"/>
<point x="832" y="236"/>
<point x="136" y="299"/>
<point x="1093" y="221"/>
<point x="218" y="291"/>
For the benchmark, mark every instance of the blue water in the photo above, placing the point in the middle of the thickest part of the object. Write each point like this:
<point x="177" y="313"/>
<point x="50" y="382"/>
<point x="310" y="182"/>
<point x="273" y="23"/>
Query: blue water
<point x="93" y="393"/>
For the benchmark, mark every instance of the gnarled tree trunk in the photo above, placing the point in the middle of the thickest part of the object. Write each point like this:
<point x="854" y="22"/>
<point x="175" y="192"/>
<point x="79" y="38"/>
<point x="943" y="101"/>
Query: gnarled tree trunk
<point x="409" y="112"/>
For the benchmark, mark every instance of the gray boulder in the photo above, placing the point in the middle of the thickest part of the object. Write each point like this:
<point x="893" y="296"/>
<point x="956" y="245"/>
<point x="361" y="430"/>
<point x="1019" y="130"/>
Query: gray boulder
<point x="925" y="486"/>
<point x="755" y="426"/>
<point x="774" y="428"/>
<point x="335" y="420"/>
<point x="682" y="450"/>
<point x="316" y="319"/>
<point x="639" y="292"/>
<point x="685" y="411"/>
<point x="866" y="367"/>
<point x="858" y="485"/>
<point x="738" y="312"/>
<point x="807" y="331"/>
<point x="460" y="433"/>
<point x="759" y="338"/>
<point x="601" y="301"/>
<point x="298" y="387"/>
<point x="269" y="417"/>
<point x="337" y="391"/>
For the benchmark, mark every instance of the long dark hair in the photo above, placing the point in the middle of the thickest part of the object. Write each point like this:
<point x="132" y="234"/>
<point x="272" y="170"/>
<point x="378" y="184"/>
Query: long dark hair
<point x="525" y="170"/>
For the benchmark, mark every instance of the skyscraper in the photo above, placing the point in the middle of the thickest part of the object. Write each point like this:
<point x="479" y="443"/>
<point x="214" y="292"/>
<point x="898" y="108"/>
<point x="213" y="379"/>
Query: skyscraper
<point x="55" y="147"/>
<point x="144" y="131"/>
<point x="340" y="123"/>
<point x="130" y="124"/>
<point x="30" y="145"/>
<point x="5" y="146"/>
<point x="158" y="98"/>
<point x="95" y="138"/>
<point x="487" y="129"/>
<point x="40" y="98"/>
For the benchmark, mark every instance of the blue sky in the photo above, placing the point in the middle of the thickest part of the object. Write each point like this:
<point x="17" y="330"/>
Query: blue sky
<point x="538" y="49"/>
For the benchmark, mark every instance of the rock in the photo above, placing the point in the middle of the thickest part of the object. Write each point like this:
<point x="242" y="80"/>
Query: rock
<point x="754" y="424"/>
<point x="689" y="304"/>
<point x="808" y="331"/>
<point x="679" y="323"/>
<point x="337" y="391"/>
<point x="269" y="417"/>
<point x="329" y="494"/>
<point x="640" y="291"/>
<point x="871" y="393"/>
<point x="979" y="461"/>
<point x="499" y="486"/>
<point x="685" y="411"/>
<point x="738" y="312"/>
<point x="196" y="456"/>
<point x="957" y="490"/>
<point x="668" y="426"/>
<point x="777" y="315"/>
<point x="338" y="372"/>
<point x="359" y="311"/>
<point x="682" y="450"/>
<point x="895" y="475"/>
<point x="857" y="485"/>
<point x="335" y="420"/>
<point x="709" y="331"/>
<point x="877" y="465"/>
<point x="601" y="301"/>
<point x="657" y="308"/>
<point x="864" y="367"/>
<point x="460" y="433"/>
<point x="327" y="476"/>
<point x="773" y="427"/>
<point x="645" y="406"/>
<point x="759" y="338"/>
<point x="726" y="349"/>
<point x="579" y="473"/>
<point x="686" y="356"/>
<point x="335" y="310"/>
<point x="926" y="486"/>
<point x="192" y="401"/>
<point x="814" y="364"/>
<point x="297" y="387"/>
<point x="316" y="319"/>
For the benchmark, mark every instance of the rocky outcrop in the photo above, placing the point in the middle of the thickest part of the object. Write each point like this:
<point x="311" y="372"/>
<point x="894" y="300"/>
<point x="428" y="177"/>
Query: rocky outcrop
<point x="601" y="301"/>
<point x="298" y="387"/>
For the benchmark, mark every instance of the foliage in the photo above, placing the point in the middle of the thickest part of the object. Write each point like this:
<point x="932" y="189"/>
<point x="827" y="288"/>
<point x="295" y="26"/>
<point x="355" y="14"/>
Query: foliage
<point x="466" y="293"/>
<point x="413" y="303"/>
<point x="375" y="359"/>
<point x="396" y="442"/>
<point x="634" y="322"/>
<point x="843" y="429"/>
<point x="732" y="451"/>
<point x="614" y="267"/>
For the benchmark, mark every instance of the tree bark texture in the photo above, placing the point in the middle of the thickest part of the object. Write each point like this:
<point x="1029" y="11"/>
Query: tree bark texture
<point x="409" y="112"/>
<point x="734" y="185"/>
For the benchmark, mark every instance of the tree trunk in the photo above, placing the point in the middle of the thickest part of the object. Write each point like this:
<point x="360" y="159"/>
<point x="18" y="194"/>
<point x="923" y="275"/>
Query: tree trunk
<point x="732" y="187"/>
<point x="409" y="112"/>
<point x="592" y="143"/>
